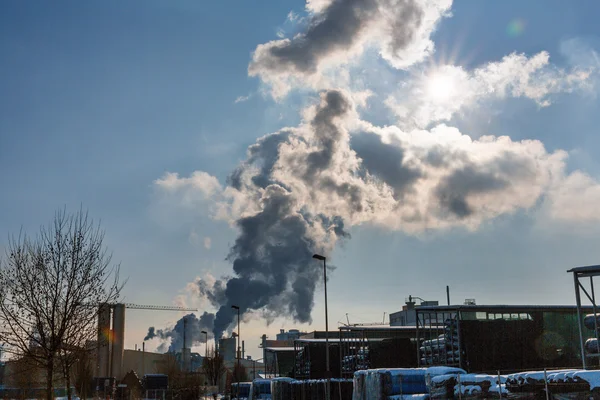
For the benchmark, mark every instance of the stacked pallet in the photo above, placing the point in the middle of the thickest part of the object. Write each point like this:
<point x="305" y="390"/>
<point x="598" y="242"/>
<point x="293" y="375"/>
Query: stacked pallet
<point x="396" y="383"/>
<point x="444" y="349"/>
<point x="313" y="389"/>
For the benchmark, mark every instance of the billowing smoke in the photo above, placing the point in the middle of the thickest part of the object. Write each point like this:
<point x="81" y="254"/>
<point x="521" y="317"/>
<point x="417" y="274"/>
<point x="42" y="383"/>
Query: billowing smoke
<point x="299" y="190"/>
<point x="340" y="29"/>
<point x="193" y="331"/>
<point x="151" y="333"/>
<point x="272" y="256"/>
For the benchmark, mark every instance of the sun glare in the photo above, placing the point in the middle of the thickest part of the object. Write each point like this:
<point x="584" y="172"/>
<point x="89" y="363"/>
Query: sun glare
<point x="440" y="86"/>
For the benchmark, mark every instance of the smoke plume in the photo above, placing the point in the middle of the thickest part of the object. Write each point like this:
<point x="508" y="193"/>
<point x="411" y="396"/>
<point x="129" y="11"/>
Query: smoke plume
<point x="193" y="332"/>
<point x="299" y="190"/>
<point x="340" y="29"/>
<point x="151" y="333"/>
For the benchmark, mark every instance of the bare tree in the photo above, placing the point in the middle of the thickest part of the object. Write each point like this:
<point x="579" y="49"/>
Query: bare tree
<point x="50" y="287"/>
<point x="239" y="373"/>
<point x="213" y="367"/>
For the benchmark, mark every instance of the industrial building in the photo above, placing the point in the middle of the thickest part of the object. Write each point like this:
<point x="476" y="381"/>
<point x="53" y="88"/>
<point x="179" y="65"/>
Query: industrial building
<point x="111" y="336"/>
<point x="505" y="338"/>
<point x="370" y="347"/>
<point x="227" y="348"/>
<point x="278" y="355"/>
<point x="408" y="316"/>
<point x="310" y="358"/>
<point x="290" y="335"/>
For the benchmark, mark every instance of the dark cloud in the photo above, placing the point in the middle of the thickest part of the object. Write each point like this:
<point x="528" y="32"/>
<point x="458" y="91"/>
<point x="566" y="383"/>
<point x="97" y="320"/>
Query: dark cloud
<point x="453" y="192"/>
<point x="336" y="28"/>
<point x="385" y="161"/>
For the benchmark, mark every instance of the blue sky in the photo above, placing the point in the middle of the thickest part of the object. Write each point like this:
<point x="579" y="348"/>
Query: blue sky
<point x="101" y="99"/>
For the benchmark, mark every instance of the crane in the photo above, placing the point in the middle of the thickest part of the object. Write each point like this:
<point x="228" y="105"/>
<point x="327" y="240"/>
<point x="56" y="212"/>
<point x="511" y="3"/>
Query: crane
<point x="158" y="308"/>
<point x="364" y="323"/>
<point x="110" y="352"/>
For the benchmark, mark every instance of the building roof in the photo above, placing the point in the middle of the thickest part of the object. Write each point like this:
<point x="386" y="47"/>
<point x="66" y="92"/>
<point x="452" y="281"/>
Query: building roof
<point x="590" y="270"/>
<point x="279" y="348"/>
<point x="497" y="307"/>
<point x="379" y="328"/>
<point x="331" y="340"/>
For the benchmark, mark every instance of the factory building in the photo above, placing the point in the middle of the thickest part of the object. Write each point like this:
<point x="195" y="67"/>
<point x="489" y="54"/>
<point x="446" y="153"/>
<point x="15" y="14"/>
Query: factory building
<point x="408" y="316"/>
<point x="505" y="338"/>
<point x="290" y="335"/>
<point x="227" y="348"/>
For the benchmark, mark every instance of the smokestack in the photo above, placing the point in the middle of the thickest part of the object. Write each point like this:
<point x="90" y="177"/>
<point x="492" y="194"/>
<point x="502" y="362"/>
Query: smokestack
<point x="243" y="349"/>
<point x="143" y="358"/>
<point x="264" y="345"/>
<point x="448" y="294"/>
<point x="118" y="341"/>
<point x="184" y="330"/>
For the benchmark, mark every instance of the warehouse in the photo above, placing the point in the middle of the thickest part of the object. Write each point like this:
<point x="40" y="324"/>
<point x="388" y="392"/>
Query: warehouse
<point x="502" y="338"/>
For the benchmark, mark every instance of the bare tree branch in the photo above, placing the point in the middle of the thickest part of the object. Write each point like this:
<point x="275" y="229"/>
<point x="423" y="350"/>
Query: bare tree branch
<point x="47" y="285"/>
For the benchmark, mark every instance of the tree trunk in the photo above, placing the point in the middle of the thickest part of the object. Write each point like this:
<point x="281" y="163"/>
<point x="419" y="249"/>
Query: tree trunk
<point x="68" y="378"/>
<point x="50" y="379"/>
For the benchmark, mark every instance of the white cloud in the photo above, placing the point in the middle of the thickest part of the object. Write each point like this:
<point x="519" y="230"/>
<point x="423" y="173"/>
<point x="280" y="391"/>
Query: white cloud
<point x="447" y="90"/>
<point x="196" y="192"/>
<point x="580" y="53"/>
<point x="292" y="16"/>
<point x="241" y="99"/>
<point x="575" y="198"/>
<point x="207" y="243"/>
<point x="199" y="181"/>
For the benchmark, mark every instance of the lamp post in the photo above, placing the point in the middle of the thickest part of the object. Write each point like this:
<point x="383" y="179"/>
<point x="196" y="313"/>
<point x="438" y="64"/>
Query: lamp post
<point x="328" y="372"/>
<point x="254" y="368"/>
<point x="238" y="345"/>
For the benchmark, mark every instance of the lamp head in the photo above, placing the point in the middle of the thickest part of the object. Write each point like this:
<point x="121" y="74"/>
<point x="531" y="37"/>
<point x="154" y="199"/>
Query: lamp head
<point x="319" y="257"/>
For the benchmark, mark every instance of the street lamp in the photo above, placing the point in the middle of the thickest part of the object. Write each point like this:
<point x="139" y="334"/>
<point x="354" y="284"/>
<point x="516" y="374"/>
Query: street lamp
<point x="239" y="348"/>
<point x="254" y="368"/>
<point x="328" y="372"/>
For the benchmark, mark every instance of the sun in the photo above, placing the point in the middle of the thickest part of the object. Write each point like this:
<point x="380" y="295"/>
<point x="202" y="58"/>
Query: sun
<point x="440" y="86"/>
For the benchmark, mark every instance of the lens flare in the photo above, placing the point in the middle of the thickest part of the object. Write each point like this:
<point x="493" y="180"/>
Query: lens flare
<point x="515" y="28"/>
